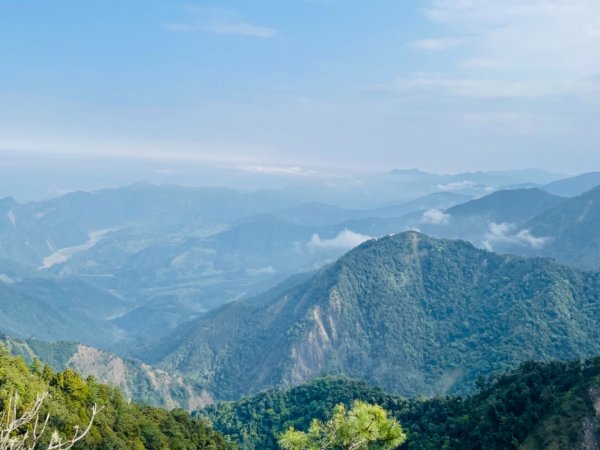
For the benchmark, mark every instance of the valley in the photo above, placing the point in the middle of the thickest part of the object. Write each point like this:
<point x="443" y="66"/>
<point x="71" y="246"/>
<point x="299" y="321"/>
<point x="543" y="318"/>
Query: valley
<point x="207" y="306"/>
<point x="300" y="225"/>
<point x="213" y="295"/>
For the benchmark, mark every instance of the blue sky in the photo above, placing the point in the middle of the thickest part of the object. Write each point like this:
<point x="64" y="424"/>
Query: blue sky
<point x="437" y="84"/>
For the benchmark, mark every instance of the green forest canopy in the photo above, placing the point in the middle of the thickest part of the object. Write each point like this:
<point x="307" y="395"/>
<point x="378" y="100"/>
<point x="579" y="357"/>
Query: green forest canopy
<point x="119" y="424"/>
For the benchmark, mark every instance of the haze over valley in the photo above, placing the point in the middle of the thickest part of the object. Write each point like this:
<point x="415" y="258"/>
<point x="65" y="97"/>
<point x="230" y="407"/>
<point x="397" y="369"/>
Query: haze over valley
<point x="300" y="225"/>
<point x="128" y="269"/>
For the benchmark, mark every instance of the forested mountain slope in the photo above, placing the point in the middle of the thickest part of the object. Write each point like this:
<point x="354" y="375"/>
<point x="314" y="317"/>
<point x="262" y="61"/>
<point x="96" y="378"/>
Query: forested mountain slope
<point x="571" y="230"/>
<point x="137" y="381"/>
<point x="59" y="309"/>
<point x="572" y="186"/>
<point x="118" y="425"/>
<point x="417" y="315"/>
<point x="537" y="406"/>
<point x="513" y="205"/>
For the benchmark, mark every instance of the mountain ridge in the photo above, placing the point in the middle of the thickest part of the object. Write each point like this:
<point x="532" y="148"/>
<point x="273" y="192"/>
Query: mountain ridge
<point x="537" y="406"/>
<point x="442" y="310"/>
<point x="137" y="381"/>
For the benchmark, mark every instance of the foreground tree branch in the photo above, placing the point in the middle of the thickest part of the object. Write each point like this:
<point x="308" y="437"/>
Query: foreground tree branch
<point x="14" y="437"/>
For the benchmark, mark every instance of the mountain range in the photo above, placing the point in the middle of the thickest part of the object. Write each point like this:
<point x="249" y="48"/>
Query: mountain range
<point x="138" y="382"/>
<point x="144" y="271"/>
<point x="416" y="315"/>
<point x="70" y="403"/>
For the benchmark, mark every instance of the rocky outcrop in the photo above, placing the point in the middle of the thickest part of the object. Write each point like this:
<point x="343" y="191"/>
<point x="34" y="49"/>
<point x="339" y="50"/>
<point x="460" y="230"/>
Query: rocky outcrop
<point x="591" y="424"/>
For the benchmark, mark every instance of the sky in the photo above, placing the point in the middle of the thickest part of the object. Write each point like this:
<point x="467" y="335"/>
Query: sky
<point x="288" y="86"/>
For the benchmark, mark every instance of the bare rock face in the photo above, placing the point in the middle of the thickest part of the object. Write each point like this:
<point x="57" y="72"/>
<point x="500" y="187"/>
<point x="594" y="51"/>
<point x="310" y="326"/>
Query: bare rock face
<point x="137" y="381"/>
<point x="591" y="425"/>
<point x="311" y="355"/>
<point x="126" y="375"/>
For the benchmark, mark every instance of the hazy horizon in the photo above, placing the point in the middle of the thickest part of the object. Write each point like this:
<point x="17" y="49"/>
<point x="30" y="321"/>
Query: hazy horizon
<point x="441" y="85"/>
<point x="220" y="218"/>
<point x="27" y="177"/>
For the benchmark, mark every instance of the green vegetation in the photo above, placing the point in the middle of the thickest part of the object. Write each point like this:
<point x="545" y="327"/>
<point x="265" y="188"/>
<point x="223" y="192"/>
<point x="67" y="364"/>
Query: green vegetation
<point x="55" y="354"/>
<point x="363" y="427"/>
<point x="59" y="309"/>
<point x="537" y="406"/>
<point x="512" y="205"/>
<point x="442" y="310"/>
<point x="137" y="381"/>
<point x="118" y="424"/>
<point x="573" y="228"/>
<point x="25" y="428"/>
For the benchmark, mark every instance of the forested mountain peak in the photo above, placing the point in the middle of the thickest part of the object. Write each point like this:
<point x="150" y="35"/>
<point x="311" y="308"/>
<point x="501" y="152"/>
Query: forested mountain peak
<point x="414" y="314"/>
<point x="511" y="205"/>
<point x="573" y="186"/>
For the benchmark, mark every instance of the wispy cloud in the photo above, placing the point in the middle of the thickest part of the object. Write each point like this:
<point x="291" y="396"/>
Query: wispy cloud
<point x="553" y="38"/>
<point x="279" y="170"/>
<point x="267" y="270"/>
<point x="436" y="44"/>
<point x="456" y="186"/>
<point x="527" y="49"/>
<point x="514" y="121"/>
<point x="220" y="21"/>
<point x="240" y="29"/>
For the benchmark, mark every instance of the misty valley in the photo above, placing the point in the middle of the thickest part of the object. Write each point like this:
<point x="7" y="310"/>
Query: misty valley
<point x="300" y="225"/>
<point x="204" y="299"/>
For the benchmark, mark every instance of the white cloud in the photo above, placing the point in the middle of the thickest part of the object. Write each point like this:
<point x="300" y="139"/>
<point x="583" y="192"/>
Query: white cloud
<point x="436" y="44"/>
<point x="12" y="218"/>
<point x="550" y="37"/>
<point x="6" y="279"/>
<point x="180" y="260"/>
<point x="345" y="240"/>
<point x="500" y="229"/>
<point x="507" y="233"/>
<point x="487" y="246"/>
<point x="267" y="270"/>
<point x="435" y="217"/>
<point x="456" y="186"/>
<point x="279" y="170"/>
<point x="525" y="237"/>
<point x="221" y="21"/>
<point x="529" y="49"/>
<point x="240" y="29"/>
